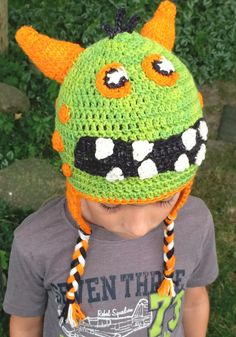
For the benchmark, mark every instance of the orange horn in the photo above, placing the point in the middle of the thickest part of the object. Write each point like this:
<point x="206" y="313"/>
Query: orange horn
<point x="53" y="57"/>
<point x="161" y="28"/>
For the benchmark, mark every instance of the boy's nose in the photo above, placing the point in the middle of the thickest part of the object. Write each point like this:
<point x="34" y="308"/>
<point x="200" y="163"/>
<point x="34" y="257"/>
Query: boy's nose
<point x="138" y="224"/>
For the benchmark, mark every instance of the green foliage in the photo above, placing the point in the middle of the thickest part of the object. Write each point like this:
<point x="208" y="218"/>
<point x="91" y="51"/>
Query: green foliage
<point x="27" y="137"/>
<point x="206" y="38"/>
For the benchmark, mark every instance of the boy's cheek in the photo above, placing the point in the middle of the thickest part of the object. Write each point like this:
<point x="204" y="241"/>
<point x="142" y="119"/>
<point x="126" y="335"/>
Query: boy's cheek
<point x="94" y="214"/>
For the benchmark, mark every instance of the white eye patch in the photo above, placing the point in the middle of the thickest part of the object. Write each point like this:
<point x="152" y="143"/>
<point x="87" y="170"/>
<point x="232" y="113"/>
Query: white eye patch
<point x="164" y="66"/>
<point x="116" y="77"/>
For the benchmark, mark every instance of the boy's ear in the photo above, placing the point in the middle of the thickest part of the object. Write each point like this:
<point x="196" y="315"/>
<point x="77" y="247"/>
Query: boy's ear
<point x="53" y="57"/>
<point x="161" y="28"/>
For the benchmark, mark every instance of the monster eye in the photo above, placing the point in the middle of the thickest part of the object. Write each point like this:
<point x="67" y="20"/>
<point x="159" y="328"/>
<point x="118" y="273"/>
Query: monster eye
<point x="112" y="81"/>
<point x="160" y="70"/>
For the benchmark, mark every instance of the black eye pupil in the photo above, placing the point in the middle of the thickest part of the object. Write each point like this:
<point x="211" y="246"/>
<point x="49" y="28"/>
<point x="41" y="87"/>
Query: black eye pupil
<point x="112" y="83"/>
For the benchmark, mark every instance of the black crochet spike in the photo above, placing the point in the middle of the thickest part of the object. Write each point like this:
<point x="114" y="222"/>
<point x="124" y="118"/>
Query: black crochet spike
<point x="119" y="24"/>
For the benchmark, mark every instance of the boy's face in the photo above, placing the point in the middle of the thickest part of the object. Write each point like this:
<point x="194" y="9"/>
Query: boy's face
<point x="128" y="221"/>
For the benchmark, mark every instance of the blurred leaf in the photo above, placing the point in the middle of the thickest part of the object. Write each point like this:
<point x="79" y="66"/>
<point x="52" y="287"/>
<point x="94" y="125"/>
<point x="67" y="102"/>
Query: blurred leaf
<point x="3" y="260"/>
<point x="10" y="155"/>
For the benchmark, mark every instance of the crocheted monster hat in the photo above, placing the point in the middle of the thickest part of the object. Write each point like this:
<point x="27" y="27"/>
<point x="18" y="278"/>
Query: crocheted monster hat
<point x="129" y="126"/>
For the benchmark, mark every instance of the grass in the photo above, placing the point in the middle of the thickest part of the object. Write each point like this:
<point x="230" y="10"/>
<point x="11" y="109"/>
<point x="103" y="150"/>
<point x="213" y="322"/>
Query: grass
<point x="216" y="185"/>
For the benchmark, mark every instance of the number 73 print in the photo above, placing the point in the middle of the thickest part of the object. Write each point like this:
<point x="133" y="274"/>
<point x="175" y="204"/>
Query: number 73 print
<point x="161" y="305"/>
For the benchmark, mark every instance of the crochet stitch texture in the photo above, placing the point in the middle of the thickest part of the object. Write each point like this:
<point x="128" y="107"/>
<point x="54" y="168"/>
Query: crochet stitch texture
<point x="164" y="112"/>
<point x="129" y="127"/>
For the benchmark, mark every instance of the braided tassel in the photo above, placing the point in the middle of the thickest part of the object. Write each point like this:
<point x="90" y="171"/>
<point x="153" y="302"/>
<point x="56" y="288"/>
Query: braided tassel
<point x="167" y="285"/>
<point x="72" y="313"/>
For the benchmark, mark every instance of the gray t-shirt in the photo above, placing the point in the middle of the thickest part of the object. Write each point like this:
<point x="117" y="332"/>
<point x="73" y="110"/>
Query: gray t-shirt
<point x="117" y="291"/>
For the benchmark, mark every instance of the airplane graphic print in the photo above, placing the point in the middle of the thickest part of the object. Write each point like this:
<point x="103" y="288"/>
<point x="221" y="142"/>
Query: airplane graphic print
<point x="119" y="325"/>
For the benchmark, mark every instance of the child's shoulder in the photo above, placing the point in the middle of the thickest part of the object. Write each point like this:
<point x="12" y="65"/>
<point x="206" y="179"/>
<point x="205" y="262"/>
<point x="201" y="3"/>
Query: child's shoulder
<point x="197" y="215"/>
<point x="42" y="223"/>
<point x="195" y="205"/>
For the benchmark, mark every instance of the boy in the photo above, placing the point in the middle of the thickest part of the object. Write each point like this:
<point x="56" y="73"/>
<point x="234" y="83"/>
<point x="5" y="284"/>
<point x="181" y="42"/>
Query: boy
<point x="131" y="135"/>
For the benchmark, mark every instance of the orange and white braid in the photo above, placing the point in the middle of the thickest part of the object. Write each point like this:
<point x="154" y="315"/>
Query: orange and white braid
<point x="167" y="285"/>
<point x="71" y="311"/>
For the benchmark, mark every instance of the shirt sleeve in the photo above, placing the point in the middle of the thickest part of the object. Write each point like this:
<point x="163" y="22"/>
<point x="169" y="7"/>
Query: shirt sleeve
<point x="25" y="294"/>
<point x="206" y="270"/>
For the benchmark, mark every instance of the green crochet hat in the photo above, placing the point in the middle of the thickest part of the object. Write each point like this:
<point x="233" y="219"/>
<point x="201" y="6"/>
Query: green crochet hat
<point x="129" y="124"/>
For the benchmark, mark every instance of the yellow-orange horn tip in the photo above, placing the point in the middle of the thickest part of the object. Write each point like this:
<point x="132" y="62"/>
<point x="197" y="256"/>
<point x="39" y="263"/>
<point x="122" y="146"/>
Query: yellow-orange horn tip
<point x="161" y="28"/>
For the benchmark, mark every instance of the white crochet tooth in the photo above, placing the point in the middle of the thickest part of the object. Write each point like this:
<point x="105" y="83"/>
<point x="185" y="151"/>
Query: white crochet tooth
<point x="166" y="65"/>
<point x="189" y="138"/>
<point x="141" y="148"/>
<point x="200" y="155"/>
<point x="182" y="163"/>
<point x="203" y="129"/>
<point x="147" y="169"/>
<point x="104" y="148"/>
<point x="115" y="174"/>
<point x="117" y="75"/>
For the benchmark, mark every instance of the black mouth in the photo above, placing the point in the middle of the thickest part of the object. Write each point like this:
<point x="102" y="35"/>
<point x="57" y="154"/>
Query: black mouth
<point x="117" y="159"/>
